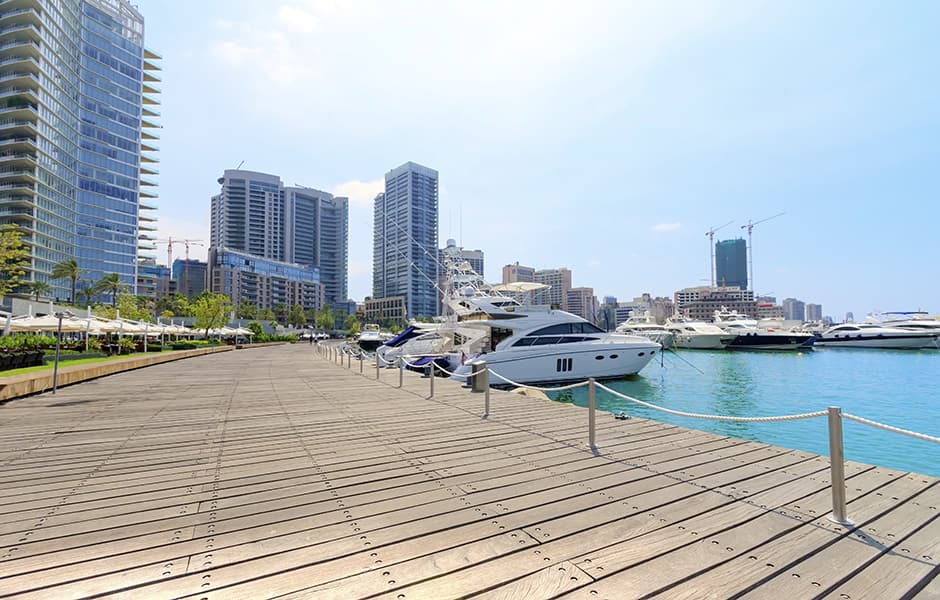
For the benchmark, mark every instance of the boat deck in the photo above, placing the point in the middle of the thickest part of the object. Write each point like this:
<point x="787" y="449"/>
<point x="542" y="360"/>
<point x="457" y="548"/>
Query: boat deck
<point x="274" y="473"/>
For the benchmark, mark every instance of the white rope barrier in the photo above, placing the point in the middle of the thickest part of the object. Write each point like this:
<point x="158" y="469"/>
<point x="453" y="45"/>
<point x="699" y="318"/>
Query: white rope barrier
<point x="913" y="434"/>
<point x="434" y="365"/>
<point x="812" y="415"/>
<point x="540" y="389"/>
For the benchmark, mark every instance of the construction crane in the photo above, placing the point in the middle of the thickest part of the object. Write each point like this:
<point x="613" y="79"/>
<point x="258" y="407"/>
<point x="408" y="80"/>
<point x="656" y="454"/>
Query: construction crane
<point x="711" y="245"/>
<point x="750" y="250"/>
<point x="169" y="256"/>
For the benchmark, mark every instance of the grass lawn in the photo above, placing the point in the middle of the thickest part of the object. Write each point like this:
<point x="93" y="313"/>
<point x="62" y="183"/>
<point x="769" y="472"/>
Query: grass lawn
<point x="64" y="362"/>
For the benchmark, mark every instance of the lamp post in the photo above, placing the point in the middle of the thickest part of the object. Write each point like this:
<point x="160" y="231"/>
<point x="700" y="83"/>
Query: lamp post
<point x="58" y="343"/>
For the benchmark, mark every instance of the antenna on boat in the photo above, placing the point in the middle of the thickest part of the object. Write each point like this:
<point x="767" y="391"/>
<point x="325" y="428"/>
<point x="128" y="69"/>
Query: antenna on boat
<point x="750" y="250"/>
<point x="711" y="247"/>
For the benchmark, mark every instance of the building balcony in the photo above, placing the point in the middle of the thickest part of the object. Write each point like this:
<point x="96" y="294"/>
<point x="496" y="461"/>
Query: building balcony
<point x="20" y="63"/>
<point x="14" y="160"/>
<point x="149" y="112"/>
<point x="150" y="77"/>
<point x="14" y="128"/>
<point x="150" y="89"/>
<point x="19" y="213"/>
<point x="16" y="200"/>
<point x="147" y="205"/>
<point x="150" y="54"/>
<point x="148" y="170"/>
<point x="149" y="124"/>
<point x="19" y="112"/>
<point x="15" y="175"/>
<point x="146" y="147"/>
<point x="14" y="97"/>
<point x="20" y="32"/>
<point x="148" y="159"/>
<point x="146" y="194"/>
<point x="146" y="135"/>
<point x="10" y="49"/>
<point x="151" y="65"/>
<point x="20" y="16"/>
<point x="19" y="145"/>
<point x="19" y="79"/>
<point x="148" y="182"/>
<point x="144" y="219"/>
<point x="147" y="100"/>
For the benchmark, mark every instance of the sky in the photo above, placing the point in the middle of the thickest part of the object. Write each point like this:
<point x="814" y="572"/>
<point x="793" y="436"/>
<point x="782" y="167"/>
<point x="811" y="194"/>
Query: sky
<point x="605" y="137"/>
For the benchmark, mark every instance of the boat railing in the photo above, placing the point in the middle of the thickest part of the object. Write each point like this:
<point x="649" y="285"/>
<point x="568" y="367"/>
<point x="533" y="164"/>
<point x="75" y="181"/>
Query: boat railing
<point x="479" y="382"/>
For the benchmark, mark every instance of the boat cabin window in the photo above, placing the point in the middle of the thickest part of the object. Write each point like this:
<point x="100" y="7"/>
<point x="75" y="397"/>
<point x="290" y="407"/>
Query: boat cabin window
<point x="563" y="328"/>
<point x="498" y="334"/>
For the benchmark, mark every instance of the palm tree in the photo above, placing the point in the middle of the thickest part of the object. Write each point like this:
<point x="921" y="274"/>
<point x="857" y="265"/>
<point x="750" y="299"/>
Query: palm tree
<point x="110" y="284"/>
<point x="67" y="269"/>
<point x="38" y="288"/>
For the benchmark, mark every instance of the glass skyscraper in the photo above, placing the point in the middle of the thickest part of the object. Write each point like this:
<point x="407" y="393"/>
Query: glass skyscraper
<point x="731" y="263"/>
<point x="256" y="214"/>
<point x="76" y="113"/>
<point x="404" y="245"/>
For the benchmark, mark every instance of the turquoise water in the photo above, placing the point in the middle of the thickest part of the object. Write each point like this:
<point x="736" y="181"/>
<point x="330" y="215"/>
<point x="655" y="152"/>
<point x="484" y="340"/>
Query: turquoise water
<point x="899" y="388"/>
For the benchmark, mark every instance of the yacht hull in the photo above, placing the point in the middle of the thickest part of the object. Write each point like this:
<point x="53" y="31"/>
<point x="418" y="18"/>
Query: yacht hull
<point x="768" y="341"/>
<point x="885" y="342"/>
<point x="566" y="363"/>
<point x="702" y="341"/>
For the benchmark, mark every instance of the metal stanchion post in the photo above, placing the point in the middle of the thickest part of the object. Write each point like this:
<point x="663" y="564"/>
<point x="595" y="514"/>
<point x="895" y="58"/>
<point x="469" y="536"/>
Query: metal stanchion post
<point x="431" y="366"/>
<point x="485" y="374"/>
<point x="360" y="363"/>
<point x="376" y="368"/>
<point x="401" y="371"/>
<point x="591" y="425"/>
<point x="837" y="467"/>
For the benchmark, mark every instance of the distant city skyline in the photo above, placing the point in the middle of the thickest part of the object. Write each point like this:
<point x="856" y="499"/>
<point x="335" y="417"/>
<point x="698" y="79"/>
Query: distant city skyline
<point x="607" y="149"/>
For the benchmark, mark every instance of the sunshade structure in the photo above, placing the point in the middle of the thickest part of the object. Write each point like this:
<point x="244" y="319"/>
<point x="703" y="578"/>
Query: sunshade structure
<point x="46" y="323"/>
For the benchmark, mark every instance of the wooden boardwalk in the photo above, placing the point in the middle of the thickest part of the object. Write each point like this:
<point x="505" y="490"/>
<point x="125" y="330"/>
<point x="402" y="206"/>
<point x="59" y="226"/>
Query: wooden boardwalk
<point x="272" y="473"/>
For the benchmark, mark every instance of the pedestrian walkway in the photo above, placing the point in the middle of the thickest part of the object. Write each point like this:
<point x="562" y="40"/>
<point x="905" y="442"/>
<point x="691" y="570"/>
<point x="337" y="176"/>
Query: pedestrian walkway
<point x="274" y="473"/>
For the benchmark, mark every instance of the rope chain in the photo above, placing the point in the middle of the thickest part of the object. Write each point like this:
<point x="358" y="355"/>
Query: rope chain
<point x="540" y="389"/>
<point x="913" y="434"/>
<point x="812" y="415"/>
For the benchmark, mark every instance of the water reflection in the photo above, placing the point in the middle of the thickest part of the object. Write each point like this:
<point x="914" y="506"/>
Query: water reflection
<point x="897" y="388"/>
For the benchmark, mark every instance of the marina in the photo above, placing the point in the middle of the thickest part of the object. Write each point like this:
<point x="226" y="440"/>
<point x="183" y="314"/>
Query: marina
<point x="279" y="473"/>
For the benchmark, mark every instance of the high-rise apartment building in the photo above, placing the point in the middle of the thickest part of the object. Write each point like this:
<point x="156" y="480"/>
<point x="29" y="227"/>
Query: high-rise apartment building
<point x="559" y="281"/>
<point x="263" y="282"/>
<point x="77" y="95"/>
<point x="814" y="312"/>
<point x="257" y="214"/>
<point x="581" y="301"/>
<point x="794" y="310"/>
<point x="516" y="272"/>
<point x="404" y="245"/>
<point x="191" y="276"/>
<point x="731" y="263"/>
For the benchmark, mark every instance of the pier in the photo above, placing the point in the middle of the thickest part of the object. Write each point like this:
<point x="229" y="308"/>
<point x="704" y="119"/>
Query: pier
<point x="277" y="473"/>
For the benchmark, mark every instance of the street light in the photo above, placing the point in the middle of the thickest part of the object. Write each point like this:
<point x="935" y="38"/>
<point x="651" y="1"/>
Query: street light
<point x="58" y="341"/>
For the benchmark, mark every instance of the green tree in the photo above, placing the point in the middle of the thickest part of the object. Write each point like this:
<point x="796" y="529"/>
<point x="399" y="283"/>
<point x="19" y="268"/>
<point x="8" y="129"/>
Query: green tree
<point x="246" y="310"/>
<point x="297" y="318"/>
<point x="175" y="303"/>
<point x="266" y="314"/>
<point x="280" y="310"/>
<point x="130" y="307"/>
<point x="325" y="319"/>
<point x="255" y="328"/>
<point x="38" y="288"/>
<point x="351" y="324"/>
<point x="14" y="258"/>
<point x="211" y="310"/>
<point x="67" y="269"/>
<point x="110" y="284"/>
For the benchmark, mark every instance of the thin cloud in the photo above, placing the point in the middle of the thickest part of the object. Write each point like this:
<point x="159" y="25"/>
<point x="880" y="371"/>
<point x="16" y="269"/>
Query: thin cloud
<point x="666" y="227"/>
<point x="360" y="192"/>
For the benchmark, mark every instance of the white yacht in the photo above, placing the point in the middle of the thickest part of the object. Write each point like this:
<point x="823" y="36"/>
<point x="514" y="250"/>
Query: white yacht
<point x="698" y="335"/>
<point x="645" y="326"/>
<point x="538" y="344"/>
<point x="752" y="337"/>
<point x="873" y="335"/>
<point x="371" y="337"/>
<point x="914" y="321"/>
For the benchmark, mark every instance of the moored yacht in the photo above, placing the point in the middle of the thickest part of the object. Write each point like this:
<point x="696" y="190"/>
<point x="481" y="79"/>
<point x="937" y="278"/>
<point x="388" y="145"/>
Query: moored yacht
<point x="646" y="326"/>
<point x="873" y="335"/>
<point x="537" y="344"/>
<point x="371" y="337"/>
<point x="698" y="335"/>
<point x="752" y="337"/>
